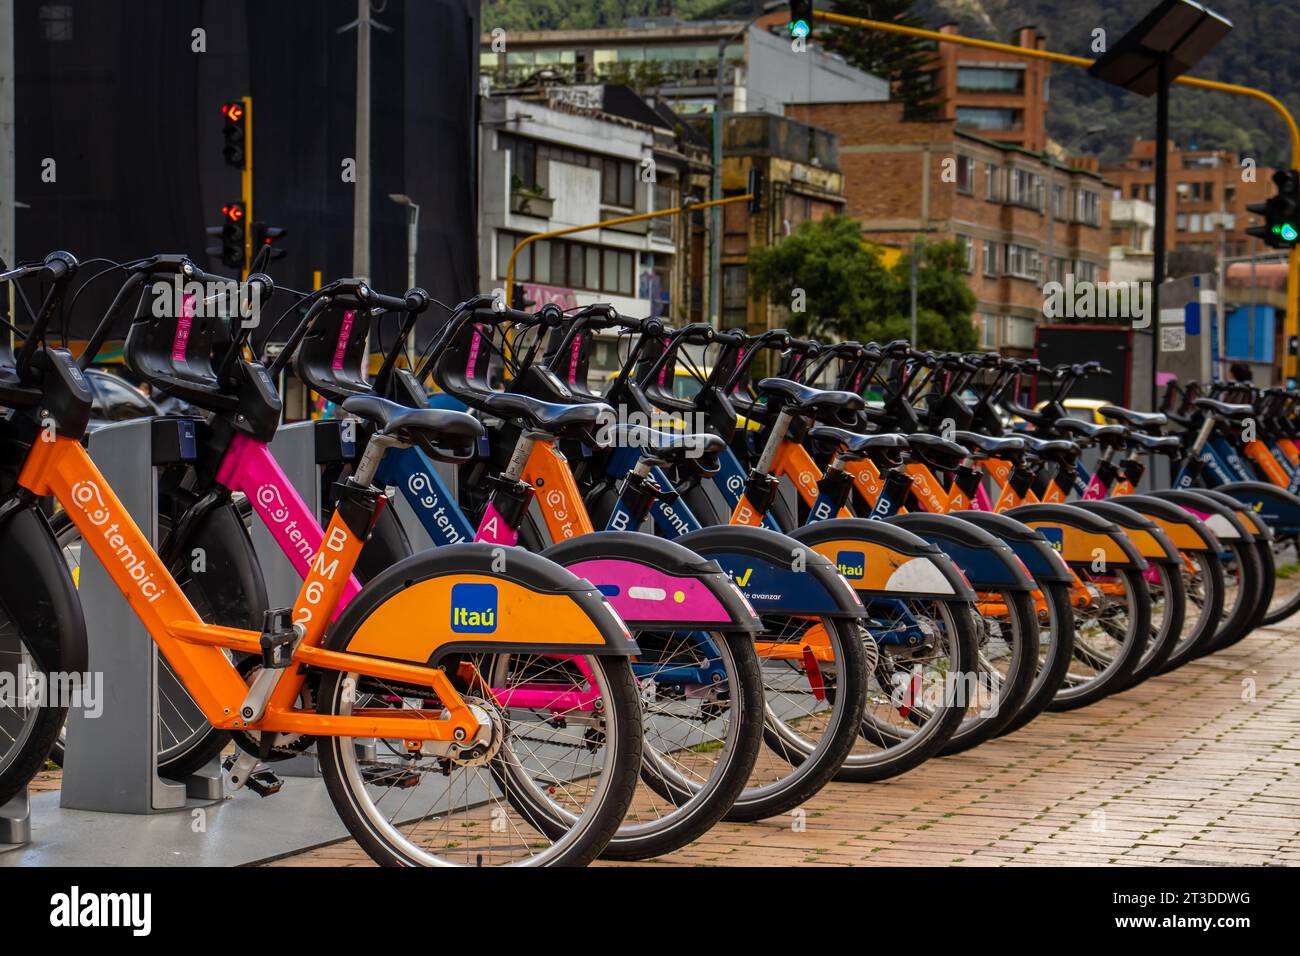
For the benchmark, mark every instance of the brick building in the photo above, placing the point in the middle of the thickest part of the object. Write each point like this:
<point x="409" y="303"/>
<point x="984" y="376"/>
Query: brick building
<point x="994" y="95"/>
<point x="904" y="179"/>
<point x="1204" y="185"/>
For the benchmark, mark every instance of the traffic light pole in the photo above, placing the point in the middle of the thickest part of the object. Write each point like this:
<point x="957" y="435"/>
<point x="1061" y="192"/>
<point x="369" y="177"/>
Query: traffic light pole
<point x="1293" y="270"/>
<point x="246" y="185"/>
<point x="529" y="240"/>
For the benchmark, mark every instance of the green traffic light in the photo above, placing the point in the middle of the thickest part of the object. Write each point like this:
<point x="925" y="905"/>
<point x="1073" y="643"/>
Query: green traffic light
<point x="1287" y="232"/>
<point x="799" y="29"/>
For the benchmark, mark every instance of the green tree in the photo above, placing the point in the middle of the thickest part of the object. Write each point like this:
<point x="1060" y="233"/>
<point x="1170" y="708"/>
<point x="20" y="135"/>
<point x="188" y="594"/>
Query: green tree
<point x="906" y="62"/>
<point x="836" y="286"/>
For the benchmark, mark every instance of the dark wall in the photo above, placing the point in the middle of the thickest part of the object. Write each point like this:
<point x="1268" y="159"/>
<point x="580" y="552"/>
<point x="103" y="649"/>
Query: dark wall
<point x="117" y="97"/>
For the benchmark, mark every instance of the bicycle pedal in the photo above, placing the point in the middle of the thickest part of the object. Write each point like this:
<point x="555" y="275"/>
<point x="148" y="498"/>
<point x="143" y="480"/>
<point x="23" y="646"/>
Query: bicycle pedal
<point x="264" y="783"/>
<point x="278" y="638"/>
<point x="390" y="777"/>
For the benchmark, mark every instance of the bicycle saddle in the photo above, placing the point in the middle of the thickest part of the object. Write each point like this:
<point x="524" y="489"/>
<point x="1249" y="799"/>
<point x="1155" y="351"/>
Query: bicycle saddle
<point x="1169" y="445"/>
<point x="1051" y="449"/>
<point x="937" y="452"/>
<point x="561" y="421"/>
<point x="1111" y="435"/>
<point x="1225" y="409"/>
<point x="698" y="449"/>
<point x="810" y="400"/>
<point x="1028" y="414"/>
<point x="1008" y="447"/>
<point x="443" y="434"/>
<point x="1142" y="420"/>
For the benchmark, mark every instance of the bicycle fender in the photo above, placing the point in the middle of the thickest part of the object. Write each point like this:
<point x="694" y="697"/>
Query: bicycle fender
<point x="1274" y="507"/>
<point x="655" y="583"/>
<point x="212" y="539"/>
<point x="1040" y="559"/>
<point x="1152" y="543"/>
<point x="37" y="590"/>
<point x="1081" y="536"/>
<point x="984" y="558"/>
<point x="465" y="598"/>
<point x="386" y="545"/>
<point x="775" y="572"/>
<point x="883" y="560"/>
<point x="1184" y="529"/>
<point x="1218" y="517"/>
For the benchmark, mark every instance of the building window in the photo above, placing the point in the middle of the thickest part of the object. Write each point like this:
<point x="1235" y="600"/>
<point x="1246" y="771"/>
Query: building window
<point x="570" y="265"/>
<point x="1020" y="332"/>
<point x="989" y="118"/>
<point x="735" y="296"/>
<point x="990" y="182"/>
<point x="1180" y="222"/>
<point x="1026" y="189"/>
<point x="1087" y="207"/>
<point x="990" y="257"/>
<point x="988" y="326"/>
<point x="1085" y="271"/>
<point x="990" y="79"/>
<point x="968" y="244"/>
<point x="1021" y="261"/>
<point x="618" y="184"/>
<point x="965" y="174"/>
<point x="56" y="21"/>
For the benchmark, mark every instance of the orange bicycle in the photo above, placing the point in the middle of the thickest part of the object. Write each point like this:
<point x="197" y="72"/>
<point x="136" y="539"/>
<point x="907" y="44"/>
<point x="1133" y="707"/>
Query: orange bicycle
<point x="422" y="758"/>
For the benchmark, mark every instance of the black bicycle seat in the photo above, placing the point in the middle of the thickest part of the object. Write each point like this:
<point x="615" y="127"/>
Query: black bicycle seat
<point x="1169" y="445"/>
<point x="1112" y="435"/>
<point x="562" y="421"/>
<point x="444" y="434"/>
<point x="1143" y="420"/>
<point x="1051" y="449"/>
<point x="810" y="400"/>
<point x="937" y="452"/>
<point x="1008" y="447"/>
<point x="1225" y="409"/>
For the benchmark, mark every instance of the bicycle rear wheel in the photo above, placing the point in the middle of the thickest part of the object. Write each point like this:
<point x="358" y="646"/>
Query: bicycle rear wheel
<point x="1203" y="584"/>
<point x="1111" y="631"/>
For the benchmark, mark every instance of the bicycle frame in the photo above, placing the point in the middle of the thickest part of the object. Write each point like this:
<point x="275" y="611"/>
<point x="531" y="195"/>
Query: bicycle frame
<point x="63" y="469"/>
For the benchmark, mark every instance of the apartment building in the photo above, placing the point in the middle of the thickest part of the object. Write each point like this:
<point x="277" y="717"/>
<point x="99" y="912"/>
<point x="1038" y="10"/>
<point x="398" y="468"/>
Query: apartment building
<point x="1026" y="219"/>
<point x="1208" y="193"/>
<point x="1132" y="240"/>
<point x="998" y="97"/>
<point x="554" y="157"/>
<point x="688" y="64"/>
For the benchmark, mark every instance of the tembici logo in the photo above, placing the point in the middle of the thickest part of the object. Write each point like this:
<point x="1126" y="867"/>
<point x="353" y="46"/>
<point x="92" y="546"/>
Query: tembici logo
<point x="474" y="608"/>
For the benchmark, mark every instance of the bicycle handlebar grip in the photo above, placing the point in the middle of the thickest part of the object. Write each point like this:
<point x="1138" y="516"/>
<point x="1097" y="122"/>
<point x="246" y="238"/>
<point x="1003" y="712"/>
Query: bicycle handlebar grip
<point x="697" y="333"/>
<point x="59" y="265"/>
<point x="730" y="337"/>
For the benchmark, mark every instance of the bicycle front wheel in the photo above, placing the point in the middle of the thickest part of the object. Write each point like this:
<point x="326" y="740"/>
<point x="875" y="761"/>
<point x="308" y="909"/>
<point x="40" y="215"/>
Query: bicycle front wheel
<point x="549" y="786"/>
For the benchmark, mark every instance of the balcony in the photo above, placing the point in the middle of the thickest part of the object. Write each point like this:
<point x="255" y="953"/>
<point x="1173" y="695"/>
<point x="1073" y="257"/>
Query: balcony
<point x="528" y="202"/>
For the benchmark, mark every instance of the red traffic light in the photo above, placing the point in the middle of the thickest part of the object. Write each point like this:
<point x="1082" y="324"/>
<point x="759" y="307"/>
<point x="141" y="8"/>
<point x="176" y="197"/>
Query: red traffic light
<point x="234" y="211"/>
<point x="233" y="111"/>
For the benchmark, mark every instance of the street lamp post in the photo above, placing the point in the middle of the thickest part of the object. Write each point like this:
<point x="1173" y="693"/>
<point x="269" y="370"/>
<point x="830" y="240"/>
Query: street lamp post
<point x="412" y="233"/>
<point x="412" y="240"/>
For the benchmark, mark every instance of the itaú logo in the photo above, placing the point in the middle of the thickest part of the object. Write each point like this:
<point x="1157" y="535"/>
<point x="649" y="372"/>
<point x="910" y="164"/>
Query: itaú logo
<point x="125" y="544"/>
<point x="474" y="608"/>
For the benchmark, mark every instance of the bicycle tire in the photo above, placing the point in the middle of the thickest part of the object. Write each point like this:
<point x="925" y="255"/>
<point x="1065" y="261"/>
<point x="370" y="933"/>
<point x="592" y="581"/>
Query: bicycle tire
<point x="1114" y="676"/>
<point x="1055" y="660"/>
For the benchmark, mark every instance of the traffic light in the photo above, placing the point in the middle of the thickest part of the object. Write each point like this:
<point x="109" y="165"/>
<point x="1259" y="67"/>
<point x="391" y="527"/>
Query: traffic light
<point x="264" y="251"/>
<point x="754" y="186"/>
<point x="235" y="133"/>
<point x="1281" y="212"/>
<point x="801" y="18"/>
<point x="231" y="234"/>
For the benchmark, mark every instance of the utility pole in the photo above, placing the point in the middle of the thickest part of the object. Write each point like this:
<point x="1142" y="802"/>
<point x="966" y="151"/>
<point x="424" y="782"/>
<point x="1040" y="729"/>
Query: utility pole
<point x="361" y="198"/>
<point x="715" y="217"/>
<point x="916" y="248"/>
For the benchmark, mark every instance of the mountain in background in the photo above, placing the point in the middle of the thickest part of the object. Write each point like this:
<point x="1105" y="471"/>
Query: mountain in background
<point x="1260" y="52"/>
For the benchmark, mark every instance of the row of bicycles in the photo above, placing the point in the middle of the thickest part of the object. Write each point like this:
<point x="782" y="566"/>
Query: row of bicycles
<point x="609" y="616"/>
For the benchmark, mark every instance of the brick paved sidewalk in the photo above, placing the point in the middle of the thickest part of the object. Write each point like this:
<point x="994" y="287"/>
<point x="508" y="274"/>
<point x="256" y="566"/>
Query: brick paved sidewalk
<point x="1201" y="766"/>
